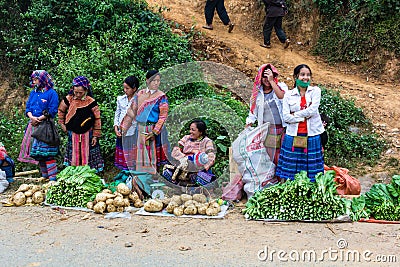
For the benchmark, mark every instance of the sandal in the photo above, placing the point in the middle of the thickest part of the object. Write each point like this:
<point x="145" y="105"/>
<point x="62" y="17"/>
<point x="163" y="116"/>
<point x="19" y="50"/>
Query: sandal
<point x="230" y="27"/>
<point x="208" y="27"/>
<point x="265" y="45"/>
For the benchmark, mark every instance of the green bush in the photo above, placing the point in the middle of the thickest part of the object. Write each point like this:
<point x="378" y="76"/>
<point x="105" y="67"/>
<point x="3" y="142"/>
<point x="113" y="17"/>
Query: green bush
<point x="351" y="140"/>
<point x="353" y="31"/>
<point x="103" y="40"/>
<point x="12" y="128"/>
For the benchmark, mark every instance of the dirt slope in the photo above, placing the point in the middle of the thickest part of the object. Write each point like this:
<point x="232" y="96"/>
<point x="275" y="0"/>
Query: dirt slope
<point x="241" y="50"/>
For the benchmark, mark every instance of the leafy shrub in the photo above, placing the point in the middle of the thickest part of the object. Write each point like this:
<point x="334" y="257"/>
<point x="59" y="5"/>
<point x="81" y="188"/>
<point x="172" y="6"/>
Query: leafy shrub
<point x="12" y="126"/>
<point x="350" y="138"/>
<point x="103" y="40"/>
<point x="358" y="29"/>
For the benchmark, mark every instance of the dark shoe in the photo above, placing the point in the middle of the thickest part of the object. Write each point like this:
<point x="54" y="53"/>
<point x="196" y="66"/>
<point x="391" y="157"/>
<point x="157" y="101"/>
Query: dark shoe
<point x="286" y="44"/>
<point x="265" y="45"/>
<point x="230" y="27"/>
<point x="208" y="27"/>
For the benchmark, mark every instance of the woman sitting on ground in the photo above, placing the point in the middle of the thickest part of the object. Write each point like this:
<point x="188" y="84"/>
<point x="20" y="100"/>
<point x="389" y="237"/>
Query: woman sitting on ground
<point x="196" y="154"/>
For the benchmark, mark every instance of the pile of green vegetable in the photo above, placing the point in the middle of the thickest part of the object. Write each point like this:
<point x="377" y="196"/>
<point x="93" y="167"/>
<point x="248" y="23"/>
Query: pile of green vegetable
<point x="299" y="199"/>
<point x="75" y="187"/>
<point x="382" y="202"/>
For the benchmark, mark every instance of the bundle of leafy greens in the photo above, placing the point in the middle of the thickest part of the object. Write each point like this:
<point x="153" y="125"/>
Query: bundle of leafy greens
<point x="383" y="200"/>
<point x="299" y="199"/>
<point x="75" y="187"/>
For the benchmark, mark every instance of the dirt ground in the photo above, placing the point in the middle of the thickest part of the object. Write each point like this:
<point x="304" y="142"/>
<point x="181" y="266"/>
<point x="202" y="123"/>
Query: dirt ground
<point x="41" y="236"/>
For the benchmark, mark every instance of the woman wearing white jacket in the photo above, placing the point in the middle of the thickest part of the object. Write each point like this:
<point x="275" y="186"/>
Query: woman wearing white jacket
<point x="266" y="106"/>
<point x="301" y="148"/>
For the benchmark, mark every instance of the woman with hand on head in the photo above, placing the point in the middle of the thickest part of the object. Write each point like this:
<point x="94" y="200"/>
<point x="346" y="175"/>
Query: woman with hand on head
<point x="41" y="105"/>
<point x="79" y="117"/>
<point x="266" y="106"/>
<point x="124" y="145"/>
<point x="301" y="149"/>
<point x="150" y="110"/>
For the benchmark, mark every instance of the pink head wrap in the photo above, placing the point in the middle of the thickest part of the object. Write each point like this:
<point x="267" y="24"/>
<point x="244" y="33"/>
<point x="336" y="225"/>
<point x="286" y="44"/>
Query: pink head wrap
<point x="257" y="83"/>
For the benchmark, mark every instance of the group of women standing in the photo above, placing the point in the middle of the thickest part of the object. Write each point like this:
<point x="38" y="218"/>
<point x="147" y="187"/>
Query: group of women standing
<point x="147" y="112"/>
<point x="78" y="115"/>
<point x="293" y="142"/>
<point x="139" y="124"/>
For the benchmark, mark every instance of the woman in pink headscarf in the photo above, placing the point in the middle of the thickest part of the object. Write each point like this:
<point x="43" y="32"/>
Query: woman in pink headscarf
<point x="266" y="106"/>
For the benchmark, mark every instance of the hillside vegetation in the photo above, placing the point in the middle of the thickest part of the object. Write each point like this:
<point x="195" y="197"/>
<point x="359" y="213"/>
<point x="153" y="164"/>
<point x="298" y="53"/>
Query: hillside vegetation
<point x="109" y="40"/>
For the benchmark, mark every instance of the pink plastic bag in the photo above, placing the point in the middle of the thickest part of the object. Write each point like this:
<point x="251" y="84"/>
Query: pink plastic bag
<point x="234" y="190"/>
<point x="346" y="184"/>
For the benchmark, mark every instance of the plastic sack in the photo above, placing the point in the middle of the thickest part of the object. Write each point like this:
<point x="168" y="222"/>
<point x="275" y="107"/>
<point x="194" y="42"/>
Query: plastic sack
<point x="3" y="181"/>
<point x="114" y="215"/>
<point x="253" y="162"/>
<point x="347" y="185"/>
<point x="234" y="190"/>
<point x="136" y="181"/>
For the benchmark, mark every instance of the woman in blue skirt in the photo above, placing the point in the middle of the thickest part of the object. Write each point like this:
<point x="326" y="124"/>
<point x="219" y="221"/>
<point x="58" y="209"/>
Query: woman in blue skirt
<point x="301" y="148"/>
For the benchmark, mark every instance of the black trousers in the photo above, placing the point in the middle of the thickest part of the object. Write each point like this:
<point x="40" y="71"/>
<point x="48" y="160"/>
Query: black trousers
<point x="275" y="22"/>
<point x="209" y="9"/>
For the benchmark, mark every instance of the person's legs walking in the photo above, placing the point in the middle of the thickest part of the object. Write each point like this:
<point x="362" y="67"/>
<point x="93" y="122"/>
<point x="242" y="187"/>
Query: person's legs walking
<point x="221" y="10"/>
<point x="223" y="15"/>
<point x="280" y="33"/>
<point x="209" y="13"/>
<point x="267" y="30"/>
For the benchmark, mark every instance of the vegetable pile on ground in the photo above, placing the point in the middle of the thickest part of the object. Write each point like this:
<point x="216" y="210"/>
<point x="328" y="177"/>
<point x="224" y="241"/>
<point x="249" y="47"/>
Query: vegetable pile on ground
<point x="184" y="204"/>
<point x="382" y="201"/>
<point x="75" y="187"/>
<point x="27" y="194"/>
<point x="299" y="199"/>
<point x="107" y="201"/>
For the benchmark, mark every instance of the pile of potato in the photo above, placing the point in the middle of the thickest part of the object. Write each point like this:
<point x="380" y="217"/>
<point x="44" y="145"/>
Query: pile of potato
<point x="184" y="204"/>
<point x="27" y="194"/>
<point x="106" y="201"/>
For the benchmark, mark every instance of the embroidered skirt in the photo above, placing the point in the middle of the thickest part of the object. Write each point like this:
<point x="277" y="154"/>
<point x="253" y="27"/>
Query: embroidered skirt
<point x="24" y="154"/>
<point x="42" y="151"/>
<point x="152" y="154"/>
<point x="292" y="160"/>
<point x="273" y="153"/>
<point x="125" y="149"/>
<point x="80" y="151"/>
<point x="33" y="150"/>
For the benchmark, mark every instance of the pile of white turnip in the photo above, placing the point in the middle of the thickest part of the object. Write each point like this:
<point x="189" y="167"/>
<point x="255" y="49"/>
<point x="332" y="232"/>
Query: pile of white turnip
<point x="107" y="201"/>
<point x="28" y="194"/>
<point x="184" y="205"/>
